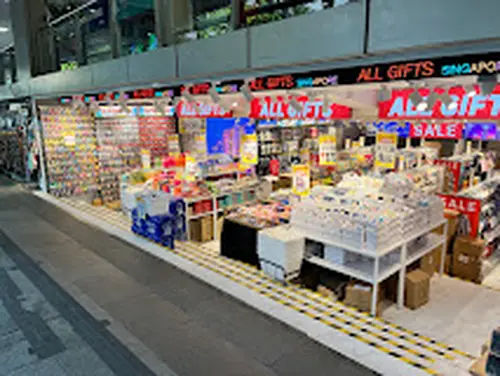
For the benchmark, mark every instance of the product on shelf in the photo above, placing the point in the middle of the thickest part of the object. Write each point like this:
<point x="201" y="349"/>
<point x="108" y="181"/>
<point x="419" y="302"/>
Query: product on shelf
<point x="70" y="150"/>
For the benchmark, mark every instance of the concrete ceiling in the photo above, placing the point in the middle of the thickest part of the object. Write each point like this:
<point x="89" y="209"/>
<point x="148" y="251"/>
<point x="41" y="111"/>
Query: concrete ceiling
<point x="6" y="38"/>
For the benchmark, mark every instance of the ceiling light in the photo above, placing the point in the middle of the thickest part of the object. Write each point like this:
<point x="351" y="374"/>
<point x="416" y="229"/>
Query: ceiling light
<point x="235" y="104"/>
<point x="186" y="94"/>
<point x="452" y="105"/>
<point x="213" y="94"/>
<point x="422" y="106"/>
<point x="470" y="90"/>
<point x="432" y="99"/>
<point x="384" y="94"/>
<point x="415" y="97"/>
<point x="487" y="83"/>
<point x="247" y="93"/>
<point x="3" y="29"/>
<point x="295" y="104"/>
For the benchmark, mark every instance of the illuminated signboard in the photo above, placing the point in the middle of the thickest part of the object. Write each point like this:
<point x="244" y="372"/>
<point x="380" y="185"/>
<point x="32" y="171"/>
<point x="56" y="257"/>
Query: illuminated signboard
<point x="201" y="110"/>
<point x="481" y="131"/>
<point x="279" y="108"/>
<point x="478" y="106"/>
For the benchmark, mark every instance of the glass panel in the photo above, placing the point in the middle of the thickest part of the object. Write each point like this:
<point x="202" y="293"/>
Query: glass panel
<point x="137" y="24"/>
<point x="206" y="19"/>
<point x="264" y="11"/>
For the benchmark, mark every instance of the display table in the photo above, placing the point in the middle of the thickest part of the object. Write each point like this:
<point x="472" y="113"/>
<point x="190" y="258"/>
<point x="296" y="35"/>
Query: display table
<point x="281" y="252"/>
<point x="239" y="241"/>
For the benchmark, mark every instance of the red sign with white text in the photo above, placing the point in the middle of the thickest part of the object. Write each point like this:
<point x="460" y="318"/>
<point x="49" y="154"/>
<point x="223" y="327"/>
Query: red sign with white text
<point x="433" y="130"/>
<point x="461" y="106"/>
<point x="453" y="167"/>
<point x="469" y="207"/>
<point x="201" y="110"/>
<point x="281" y="108"/>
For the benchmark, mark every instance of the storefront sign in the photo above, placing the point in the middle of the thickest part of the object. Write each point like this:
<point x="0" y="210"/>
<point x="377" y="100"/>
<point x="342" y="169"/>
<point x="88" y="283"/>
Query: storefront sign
<point x="471" y="209"/>
<point x="454" y="168"/>
<point x="478" y="106"/>
<point x="408" y="71"/>
<point x="480" y="67"/>
<point x="279" y="108"/>
<point x="249" y="154"/>
<point x="201" y="110"/>
<point x="385" y="150"/>
<point x="301" y="181"/>
<point x="436" y="131"/>
<point x="327" y="150"/>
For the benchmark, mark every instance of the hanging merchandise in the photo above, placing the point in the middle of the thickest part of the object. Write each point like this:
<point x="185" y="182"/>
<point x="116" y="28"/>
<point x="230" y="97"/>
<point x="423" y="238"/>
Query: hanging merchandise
<point x="385" y="150"/>
<point x="301" y="183"/>
<point x="70" y="149"/>
<point x="249" y="149"/>
<point x="327" y="150"/>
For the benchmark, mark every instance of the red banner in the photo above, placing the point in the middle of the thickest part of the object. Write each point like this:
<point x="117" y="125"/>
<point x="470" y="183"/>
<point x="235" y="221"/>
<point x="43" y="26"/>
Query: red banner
<point x="461" y="106"/>
<point x="471" y="208"/>
<point x="436" y="131"/>
<point x="453" y="167"/>
<point x="280" y="108"/>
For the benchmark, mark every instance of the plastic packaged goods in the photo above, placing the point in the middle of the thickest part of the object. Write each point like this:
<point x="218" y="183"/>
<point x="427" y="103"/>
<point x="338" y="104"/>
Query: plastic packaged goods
<point x="366" y="218"/>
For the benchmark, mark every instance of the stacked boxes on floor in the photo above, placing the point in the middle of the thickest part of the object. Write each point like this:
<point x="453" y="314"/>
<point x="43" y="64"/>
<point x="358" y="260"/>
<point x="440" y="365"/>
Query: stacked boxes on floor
<point x="417" y="286"/>
<point x="468" y="258"/>
<point x="160" y="217"/>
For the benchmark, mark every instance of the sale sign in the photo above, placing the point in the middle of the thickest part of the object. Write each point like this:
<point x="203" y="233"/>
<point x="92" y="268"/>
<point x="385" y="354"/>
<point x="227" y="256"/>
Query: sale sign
<point x="302" y="108"/>
<point x="470" y="208"/>
<point x="436" y="131"/>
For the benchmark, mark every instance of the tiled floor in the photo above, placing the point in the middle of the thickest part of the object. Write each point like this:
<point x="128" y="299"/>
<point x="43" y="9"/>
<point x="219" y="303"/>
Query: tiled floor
<point x="36" y="338"/>
<point x="421" y="350"/>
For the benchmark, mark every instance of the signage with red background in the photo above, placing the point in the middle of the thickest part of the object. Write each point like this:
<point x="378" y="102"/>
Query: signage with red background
<point x="477" y="106"/>
<point x="453" y="167"/>
<point x="449" y="130"/>
<point x="471" y="208"/>
<point x="201" y="110"/>
<point x="280" y="108"/>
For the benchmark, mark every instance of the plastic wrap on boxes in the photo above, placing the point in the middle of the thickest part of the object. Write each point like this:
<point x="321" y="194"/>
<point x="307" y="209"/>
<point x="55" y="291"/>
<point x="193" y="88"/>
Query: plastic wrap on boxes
<point x="154" y="203"/>
<point x="168" y="241"/>
<point x="180" y="227"/>
<point x="177" y="207"/>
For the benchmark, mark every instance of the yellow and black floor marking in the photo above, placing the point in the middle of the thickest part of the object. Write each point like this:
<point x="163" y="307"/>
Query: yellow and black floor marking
<point x="408" y="346"/>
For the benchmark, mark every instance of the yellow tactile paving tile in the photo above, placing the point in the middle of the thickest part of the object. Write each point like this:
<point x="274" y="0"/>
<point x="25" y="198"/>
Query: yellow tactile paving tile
<point x="410" y="347"/>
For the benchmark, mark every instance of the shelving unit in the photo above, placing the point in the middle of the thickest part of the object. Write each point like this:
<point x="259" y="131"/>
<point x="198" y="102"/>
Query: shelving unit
<point x="215" y="210"/>
<point x="375" y="269"/>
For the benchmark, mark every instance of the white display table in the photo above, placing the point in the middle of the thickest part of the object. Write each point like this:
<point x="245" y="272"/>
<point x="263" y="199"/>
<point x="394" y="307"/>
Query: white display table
<point x="281" y="252"/>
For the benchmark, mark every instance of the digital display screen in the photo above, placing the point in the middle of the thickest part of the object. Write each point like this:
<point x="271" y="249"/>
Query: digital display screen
<point x="481" y="131"/>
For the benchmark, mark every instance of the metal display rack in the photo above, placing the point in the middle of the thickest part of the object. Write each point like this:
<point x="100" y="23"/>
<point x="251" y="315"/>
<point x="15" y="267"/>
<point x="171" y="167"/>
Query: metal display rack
<point x="377" y="270"/>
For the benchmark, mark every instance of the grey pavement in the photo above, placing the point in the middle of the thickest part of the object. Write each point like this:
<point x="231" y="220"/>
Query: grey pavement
<point x="77" y="301"/>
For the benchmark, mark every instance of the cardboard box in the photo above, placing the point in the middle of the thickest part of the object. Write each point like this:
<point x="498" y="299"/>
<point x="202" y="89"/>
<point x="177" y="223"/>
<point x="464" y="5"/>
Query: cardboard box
<point x="431" y="262"/>
<point x="467" y="258"/>
<point x="417" y="287"/>
<point x="359" y="295"/>
<point x="201" y="229"/>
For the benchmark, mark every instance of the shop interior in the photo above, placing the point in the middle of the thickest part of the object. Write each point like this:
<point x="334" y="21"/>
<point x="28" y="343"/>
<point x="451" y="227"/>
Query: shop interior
<point x="384" y="197"/>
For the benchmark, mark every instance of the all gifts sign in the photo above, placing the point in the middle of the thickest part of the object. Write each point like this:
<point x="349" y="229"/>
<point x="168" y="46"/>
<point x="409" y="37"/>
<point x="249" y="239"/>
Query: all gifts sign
<point x="470" y="208"/>
<point x="461" y="105"/>
<point x="301" y="107"/>
<point x="431" y="130"/>
<point x="201" y="110"/>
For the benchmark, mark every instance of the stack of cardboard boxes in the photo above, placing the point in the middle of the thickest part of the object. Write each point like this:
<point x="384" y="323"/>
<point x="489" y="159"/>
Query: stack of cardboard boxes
<point x="468" y="258"/>
<point x="431" y="262"/>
